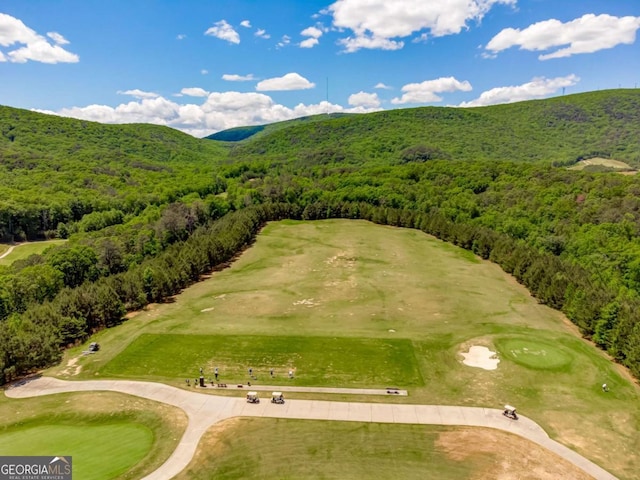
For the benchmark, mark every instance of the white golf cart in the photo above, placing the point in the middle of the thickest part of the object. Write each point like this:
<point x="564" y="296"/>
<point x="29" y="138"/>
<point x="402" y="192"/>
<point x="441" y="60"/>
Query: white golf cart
<point x="510" y="412"/>
<point x="252" y="397"/>
<point x="277" y="397"/>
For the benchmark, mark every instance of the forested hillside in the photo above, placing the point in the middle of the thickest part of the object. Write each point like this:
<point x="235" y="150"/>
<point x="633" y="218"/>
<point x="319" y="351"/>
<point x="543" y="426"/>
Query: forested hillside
<point x="560" y="130"/>
<point x="572" y="237"/>
<point x="55" y="170"/>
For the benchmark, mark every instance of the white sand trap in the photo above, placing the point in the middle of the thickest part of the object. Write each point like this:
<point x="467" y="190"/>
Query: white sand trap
<point x="207" y="309"/>
<point x="481" y="357"/>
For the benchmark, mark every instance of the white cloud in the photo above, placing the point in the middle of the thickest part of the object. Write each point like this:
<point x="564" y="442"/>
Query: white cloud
<point x="35" y="47"/>
<point x="426" y="92"/>
<point x="376" y="22"/>
<point x="194" y="92"/>
<point x="290" y="81"/>
<point x="223" y="31"/>
<point x="204" y="72"/>
<point x="383" y="86"/>
<point x="314" y="33"/>
<point x="2" y="57"/>
<point x="311" y="32"/>
<point x="286" y="40"/>
<point x="181" y="36"/>
<point x="245" y="24"/>
<point x="238" y="78"/>
<point x="536" y="88"/>
<point x="261" y="33"/>
<point x="309" y="43"/>
<point x="56" y="37"/>
<point x="353" y="44"/>
<point x="137" y="93"/>
<point x="219" y="111"/>
<point x="586" y="34"/>
<point x="363" y="99"/>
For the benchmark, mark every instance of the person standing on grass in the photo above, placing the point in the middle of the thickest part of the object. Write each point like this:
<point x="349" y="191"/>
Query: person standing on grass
<point x="216" y="373"/>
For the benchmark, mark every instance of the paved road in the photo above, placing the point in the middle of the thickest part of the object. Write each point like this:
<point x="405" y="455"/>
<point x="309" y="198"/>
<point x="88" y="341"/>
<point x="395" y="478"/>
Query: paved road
<point x="205" y="410"/>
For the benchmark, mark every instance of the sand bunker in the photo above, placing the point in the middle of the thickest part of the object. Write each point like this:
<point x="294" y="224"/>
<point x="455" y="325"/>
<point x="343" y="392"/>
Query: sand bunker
<point x="481" y="357"/>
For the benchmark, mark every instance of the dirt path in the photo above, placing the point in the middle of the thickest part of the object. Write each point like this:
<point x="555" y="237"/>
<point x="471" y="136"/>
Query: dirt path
<point x="205" y="410"/>
<point x="8" y="251"/>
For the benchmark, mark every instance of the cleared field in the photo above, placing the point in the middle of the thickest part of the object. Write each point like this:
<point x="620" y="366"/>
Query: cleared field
<point x="24" y="250"/>
<point x="306" y="287"/>
<point x="108" y="435"/>
<point x="604" y="162"/>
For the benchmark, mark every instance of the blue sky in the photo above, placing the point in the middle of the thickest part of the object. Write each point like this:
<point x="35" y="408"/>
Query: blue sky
<point x="203" y="66"/>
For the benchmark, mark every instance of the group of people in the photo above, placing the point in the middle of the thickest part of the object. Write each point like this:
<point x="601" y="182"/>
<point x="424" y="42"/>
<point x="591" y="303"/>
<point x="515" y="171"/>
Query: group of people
<point x="216" y="373"/>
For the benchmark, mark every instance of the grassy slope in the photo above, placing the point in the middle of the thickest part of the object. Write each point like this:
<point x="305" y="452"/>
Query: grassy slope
<point x="24" y="250"/>
<point x="360" y="281"/>
<point x="561" y="129"/>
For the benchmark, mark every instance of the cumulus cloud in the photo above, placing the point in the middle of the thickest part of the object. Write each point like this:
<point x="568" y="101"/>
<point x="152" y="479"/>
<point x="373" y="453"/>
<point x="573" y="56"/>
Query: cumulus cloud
<point x="261" y="33"/>
<point x="375" y="23"/>
<point x="426" y="92"/>
<point x="218" y="111"/>
<point x="290" y="81"/>
<point x="238" y="78"/>
<point x="314" y="34"/>
<point x="194" y="92"/>
<point x="586" y="34"/>
<point x="34" y="47"/>
<point x="137" y="93"/>
<point x="204" y="72"/>
<point x="536" y="88"/>
<point x="223" y="31"/>
<point x="181" y="36"/>
<point x="363" y="99"/>
<point x="245" y="24"/>
<point x="382" y="86"/>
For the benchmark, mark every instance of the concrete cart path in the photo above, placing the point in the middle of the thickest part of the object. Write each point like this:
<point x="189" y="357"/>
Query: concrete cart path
<point x="205" y="410"/>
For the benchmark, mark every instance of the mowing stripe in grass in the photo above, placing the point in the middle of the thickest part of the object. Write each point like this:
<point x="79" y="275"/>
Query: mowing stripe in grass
<point x="317" y="361"/>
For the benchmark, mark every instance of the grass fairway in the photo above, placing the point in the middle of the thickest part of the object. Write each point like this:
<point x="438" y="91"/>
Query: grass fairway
<point x="310" y="449"/>
<point x="109" y="435"/>
<point x="318" y="361"/>
<point x="352" y="303"/>
<point x="24" y="250"/>
<point x="123" y="444"/>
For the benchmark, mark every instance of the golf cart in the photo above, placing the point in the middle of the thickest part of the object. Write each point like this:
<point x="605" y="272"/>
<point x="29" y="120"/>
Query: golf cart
<point x="510" y="412"/>
<point x="277" y="397"/>
<point x="252" y="397"/>
<point x="94" y="347"/>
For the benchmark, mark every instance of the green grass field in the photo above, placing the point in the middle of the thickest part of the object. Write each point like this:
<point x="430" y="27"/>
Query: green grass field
<point x="109" y="435"/>
<point x="24" y="250"/>
<point x="312" y="449"/>
<point x="349" y="303"/>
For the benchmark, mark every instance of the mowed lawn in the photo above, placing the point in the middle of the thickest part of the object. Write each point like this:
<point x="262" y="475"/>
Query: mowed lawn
<point x="108" y="435"/>
<point x="349" y="303"/>
<point x="24" y="250"/>
<point x="324" y="361"/>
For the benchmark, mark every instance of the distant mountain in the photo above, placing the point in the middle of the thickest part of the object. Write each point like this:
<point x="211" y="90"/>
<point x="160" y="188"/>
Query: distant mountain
<point x="562" y="130"/>
<point x="238" y="134"/>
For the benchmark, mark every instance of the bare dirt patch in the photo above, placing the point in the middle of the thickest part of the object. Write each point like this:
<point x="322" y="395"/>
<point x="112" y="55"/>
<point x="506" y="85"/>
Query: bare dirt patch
<point x="499" y="455"/>
<point x="72" y="368"/>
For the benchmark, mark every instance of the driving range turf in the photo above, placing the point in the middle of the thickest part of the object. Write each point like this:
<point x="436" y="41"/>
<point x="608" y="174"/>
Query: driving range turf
<point x="349" y="303"/>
